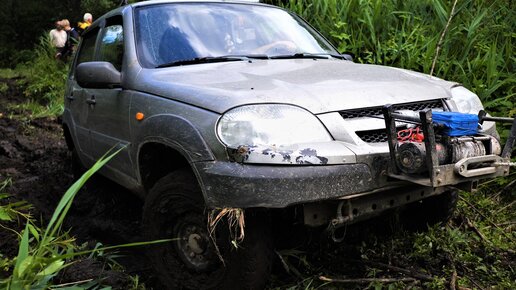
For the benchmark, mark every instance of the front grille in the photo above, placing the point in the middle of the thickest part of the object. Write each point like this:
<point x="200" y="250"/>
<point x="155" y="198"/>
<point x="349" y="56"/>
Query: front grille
<point x="373" y="136"/>
<point x="377" y="111"/>
<point x="380" y="135"/>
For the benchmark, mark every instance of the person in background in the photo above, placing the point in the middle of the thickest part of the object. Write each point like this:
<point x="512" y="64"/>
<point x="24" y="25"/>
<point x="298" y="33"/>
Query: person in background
<point x="58" y="38"/>
<point x="72" y="38"/>
<point x="88" y="19"/>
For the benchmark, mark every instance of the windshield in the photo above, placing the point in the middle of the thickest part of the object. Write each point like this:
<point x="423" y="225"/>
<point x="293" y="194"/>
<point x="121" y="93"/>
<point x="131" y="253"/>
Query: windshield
<point x="172" y="33"/>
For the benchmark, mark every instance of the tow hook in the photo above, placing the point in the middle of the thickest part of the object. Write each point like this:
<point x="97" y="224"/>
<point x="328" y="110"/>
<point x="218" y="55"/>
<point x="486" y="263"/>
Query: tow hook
<point x="340" y="220"/>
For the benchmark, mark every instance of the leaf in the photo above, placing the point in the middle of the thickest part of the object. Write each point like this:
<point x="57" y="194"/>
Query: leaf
<point x="4" y="215"/>
<point x="34" y="231"/>
<point x="24" y="265"/>
<point x="54" y="267"/>
<point x="23" y="250"/>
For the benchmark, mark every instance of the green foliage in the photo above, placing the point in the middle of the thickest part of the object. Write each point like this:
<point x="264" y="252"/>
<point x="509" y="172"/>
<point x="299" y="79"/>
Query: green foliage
<point x="7" y="73"/>
<point x="43" y="253"/>
<point x="478" y="245"/>
<point x="44" y="80"/>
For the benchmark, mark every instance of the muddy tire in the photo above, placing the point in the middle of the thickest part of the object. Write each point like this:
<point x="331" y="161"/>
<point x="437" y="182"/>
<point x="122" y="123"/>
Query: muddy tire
<point x="430" y="211"/>
<point x="174" y="209"/>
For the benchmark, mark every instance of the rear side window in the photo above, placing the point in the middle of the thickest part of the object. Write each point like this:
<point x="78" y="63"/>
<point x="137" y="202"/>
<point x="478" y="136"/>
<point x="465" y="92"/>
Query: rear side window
<point x="87" y="51"/>
<point x="111" y="47"/>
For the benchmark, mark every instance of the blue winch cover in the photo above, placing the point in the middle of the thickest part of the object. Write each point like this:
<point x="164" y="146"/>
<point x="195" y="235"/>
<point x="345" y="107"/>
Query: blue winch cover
<point x="456" y="124"/>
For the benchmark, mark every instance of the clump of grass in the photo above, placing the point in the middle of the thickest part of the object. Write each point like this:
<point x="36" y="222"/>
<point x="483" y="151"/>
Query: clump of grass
<point x="44" y="80"/>
<point x="43" y="253"/>
<point x="7" y="73"/>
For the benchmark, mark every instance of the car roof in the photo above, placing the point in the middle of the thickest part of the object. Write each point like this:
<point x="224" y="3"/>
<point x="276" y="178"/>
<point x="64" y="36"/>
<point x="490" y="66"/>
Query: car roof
<point x="152" y="2"/>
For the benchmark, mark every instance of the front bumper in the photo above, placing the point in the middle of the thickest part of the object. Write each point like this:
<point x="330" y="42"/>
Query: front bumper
<point x="229" y="184"/>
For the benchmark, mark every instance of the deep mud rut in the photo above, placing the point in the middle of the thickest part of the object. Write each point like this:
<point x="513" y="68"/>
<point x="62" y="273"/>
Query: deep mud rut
<point x="34" y="157"/>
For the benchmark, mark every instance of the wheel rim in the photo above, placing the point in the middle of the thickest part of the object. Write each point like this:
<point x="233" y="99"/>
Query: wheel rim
<point x="194" y="244"/>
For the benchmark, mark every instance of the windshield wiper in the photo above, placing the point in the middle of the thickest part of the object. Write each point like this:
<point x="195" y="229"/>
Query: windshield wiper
<point x="213" y="59"/>
<point x="307" y="55"/>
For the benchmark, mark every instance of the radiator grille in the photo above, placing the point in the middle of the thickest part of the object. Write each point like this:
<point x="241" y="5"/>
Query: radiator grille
<point x="377" y="111"/>
<point x="380" y="135"/>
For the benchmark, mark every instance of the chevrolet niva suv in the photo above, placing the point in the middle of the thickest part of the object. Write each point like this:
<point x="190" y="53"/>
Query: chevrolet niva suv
<point x="243" y="110"/>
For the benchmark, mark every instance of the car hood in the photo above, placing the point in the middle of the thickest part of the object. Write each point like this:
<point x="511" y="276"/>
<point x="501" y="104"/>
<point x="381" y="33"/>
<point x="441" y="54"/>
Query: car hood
<point x="318" y="85"/>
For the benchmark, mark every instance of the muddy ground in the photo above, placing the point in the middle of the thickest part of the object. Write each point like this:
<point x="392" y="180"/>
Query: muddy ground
<point x="33" y="155"/>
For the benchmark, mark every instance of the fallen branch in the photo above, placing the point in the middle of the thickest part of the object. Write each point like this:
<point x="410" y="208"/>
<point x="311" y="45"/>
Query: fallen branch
<point x="507" y="206"/>
<point x="479" y="212"/>
<point x="412" y="285"/>
<point x="476" y="230"/>
<point x="287" y="268"/>
<point x="506" y="188"/>
<point x="419" y="276"/>
<point x="366" y="280"/>
<point x="453" y="281"/>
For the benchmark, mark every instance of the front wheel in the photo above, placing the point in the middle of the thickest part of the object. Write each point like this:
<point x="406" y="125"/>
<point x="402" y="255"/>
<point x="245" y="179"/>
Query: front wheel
<point x="174" y="209"/>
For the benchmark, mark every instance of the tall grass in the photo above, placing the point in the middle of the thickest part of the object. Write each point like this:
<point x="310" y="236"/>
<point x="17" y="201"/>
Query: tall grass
<point x="478" y="49"/>
<point x="44" y="80"/>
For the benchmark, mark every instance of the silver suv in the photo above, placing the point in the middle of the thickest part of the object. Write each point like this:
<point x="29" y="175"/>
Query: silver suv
<point x="238" y="108"/>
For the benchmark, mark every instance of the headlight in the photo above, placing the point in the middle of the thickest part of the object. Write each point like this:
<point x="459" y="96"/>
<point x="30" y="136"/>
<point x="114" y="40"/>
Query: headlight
<point x="277" y="125"/>
<point x="466" y="101"/>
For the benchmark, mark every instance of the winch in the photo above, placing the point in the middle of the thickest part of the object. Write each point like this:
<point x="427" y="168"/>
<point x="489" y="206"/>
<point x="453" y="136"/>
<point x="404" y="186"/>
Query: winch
<point x="411" y="155"/>
<point x="445" y="148"/>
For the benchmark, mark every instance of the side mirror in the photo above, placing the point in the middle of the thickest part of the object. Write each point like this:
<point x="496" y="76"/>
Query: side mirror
<point x="97" y="74"/>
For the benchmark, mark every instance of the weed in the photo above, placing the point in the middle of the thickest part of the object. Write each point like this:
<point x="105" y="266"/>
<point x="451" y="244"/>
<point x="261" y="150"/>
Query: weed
<point x="7" y="73"/>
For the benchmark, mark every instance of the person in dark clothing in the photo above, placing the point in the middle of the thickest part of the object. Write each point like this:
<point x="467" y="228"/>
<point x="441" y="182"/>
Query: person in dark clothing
<point x="72" y="39"/>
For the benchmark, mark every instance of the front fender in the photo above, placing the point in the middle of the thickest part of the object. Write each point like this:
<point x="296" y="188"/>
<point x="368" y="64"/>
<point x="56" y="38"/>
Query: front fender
<point x="175" y="132"/>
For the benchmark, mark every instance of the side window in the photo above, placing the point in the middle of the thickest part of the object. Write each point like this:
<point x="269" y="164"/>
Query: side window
<point x="87" y="50"/>
<point x="112" y="42"/>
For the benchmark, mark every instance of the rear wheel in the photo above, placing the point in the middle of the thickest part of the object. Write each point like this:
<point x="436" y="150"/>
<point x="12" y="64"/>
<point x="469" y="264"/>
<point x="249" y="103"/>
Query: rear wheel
<point x="175" y="210"/>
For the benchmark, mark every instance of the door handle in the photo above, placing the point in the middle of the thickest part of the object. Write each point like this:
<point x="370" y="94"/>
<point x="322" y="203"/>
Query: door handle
<point x="71" y="97"/>
<point x="91" y="101"/>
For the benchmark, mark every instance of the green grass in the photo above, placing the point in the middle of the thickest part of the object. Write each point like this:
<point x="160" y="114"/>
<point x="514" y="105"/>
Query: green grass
<point x="7" y="73"/>
<point x="43" y="253"/>
<point x="42" y="81"/>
